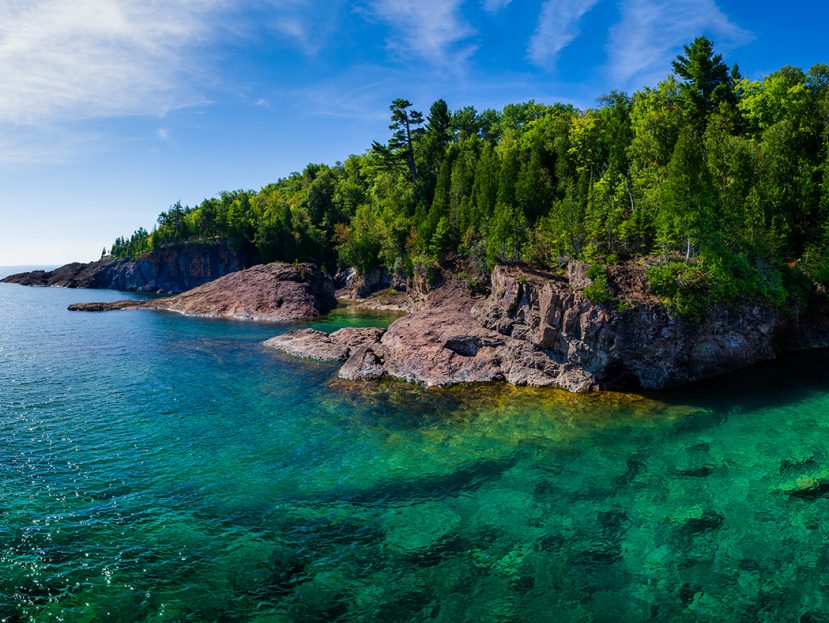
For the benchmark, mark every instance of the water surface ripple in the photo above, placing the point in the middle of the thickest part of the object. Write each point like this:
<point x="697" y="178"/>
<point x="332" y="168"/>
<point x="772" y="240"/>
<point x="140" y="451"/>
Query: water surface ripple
<point x="160" y="468"/>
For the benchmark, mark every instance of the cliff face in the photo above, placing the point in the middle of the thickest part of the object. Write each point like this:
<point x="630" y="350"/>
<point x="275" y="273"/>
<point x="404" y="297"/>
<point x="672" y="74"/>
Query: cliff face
<point x="168" y="270"/>
<point x="537" y="328"/>
<point x="645" y="345"/>
<point x="269" y="292"/>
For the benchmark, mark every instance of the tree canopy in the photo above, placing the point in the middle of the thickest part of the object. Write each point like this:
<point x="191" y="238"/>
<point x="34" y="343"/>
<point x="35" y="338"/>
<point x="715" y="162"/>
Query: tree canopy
<point x="720" y="182"/>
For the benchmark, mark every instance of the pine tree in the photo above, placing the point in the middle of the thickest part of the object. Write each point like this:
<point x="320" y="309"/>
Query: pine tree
<point x="707" y="80"/>
<point x="406" y="130"/>
<point x="436" y="138"/>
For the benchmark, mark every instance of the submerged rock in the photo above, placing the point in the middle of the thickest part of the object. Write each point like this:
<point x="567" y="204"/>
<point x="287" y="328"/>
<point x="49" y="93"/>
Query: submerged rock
<point x="418" y="527"/>
<point x="168" y="270"/>
<point x="808" y="488"/>
<point x="271" y="292"/>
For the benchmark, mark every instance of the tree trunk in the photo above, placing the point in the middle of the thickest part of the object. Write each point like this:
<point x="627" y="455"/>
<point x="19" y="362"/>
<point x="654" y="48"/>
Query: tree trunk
<point x="412" y="166"/>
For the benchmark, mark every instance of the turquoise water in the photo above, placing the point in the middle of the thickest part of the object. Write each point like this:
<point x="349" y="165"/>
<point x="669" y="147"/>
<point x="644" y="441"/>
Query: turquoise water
<point x="160" y="468"/>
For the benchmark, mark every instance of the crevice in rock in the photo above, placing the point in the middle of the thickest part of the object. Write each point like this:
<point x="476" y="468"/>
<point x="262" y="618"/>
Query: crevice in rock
<point x="464" y="345"/>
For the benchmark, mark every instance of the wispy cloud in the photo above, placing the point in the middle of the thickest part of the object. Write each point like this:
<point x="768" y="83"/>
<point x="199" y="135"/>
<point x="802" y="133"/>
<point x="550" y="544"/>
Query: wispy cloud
<point x="359" y="94"/>
<point x="303" y="24"/>
<point x="433" y="30"/>
<point x="26" y="144"/>
<point x="81" y="59"/>
<point x="298" y="31"/>
<point x="651" y="32"/>
<point x="493" y="6"/>
<point x="558" y="26"/>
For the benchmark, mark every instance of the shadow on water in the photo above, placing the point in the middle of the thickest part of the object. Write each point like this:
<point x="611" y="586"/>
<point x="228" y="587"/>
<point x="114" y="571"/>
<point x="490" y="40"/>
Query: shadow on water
<point x="791" y="378"/>
<point x="462" y="480"/>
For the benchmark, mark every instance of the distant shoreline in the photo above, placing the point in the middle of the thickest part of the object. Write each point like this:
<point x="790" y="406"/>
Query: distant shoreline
<point x="11" y="269"/>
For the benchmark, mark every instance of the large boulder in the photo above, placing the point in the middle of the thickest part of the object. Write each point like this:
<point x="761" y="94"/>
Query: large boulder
<point x="313" y="344"/>
<point x="445" y="343"/>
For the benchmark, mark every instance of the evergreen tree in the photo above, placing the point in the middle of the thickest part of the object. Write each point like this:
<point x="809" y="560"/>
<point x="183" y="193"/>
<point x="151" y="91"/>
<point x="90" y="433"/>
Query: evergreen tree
<point x="436" y="138"/>
<point x="406" y="130"/>
<point x="687" y="215"/>
<point x="707" y="80"/>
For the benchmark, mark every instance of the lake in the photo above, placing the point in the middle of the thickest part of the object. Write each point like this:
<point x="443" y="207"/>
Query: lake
<point x="161" y="468"/>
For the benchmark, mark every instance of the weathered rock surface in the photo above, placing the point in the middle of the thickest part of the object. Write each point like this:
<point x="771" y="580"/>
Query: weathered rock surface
<point x="354" y="285"/>
<point x="271" y="292"/>
<point x="537" y="328"/>
<point x="167" y="270"/>
<point x="645" y="345"/>
<point x="445" y="343"/>
<point x="313" y="344"/>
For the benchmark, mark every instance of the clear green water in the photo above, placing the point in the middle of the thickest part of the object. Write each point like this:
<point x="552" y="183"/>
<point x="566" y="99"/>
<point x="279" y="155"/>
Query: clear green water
<point x="160" y="468"/>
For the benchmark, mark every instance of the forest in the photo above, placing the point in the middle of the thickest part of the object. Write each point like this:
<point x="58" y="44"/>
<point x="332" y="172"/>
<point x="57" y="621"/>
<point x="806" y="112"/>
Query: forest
<point x="718" y="183"/>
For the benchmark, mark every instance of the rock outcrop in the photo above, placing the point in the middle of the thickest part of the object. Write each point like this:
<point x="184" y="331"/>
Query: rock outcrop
<point x="168" y="270"/>
<point x="537" y="328"/>
<point x="271" y="292"/>
<point x="313" y="344"/>
<point x="640" y="344"/>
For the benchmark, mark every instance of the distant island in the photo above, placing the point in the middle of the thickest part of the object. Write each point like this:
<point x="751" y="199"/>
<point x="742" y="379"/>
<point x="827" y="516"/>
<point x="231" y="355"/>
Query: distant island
<point x="657" y="239"/>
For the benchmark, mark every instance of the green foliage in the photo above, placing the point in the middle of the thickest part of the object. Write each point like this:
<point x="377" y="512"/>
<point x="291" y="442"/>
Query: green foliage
<point x="707" y="80"/>
<point x="687" y="218"/>
<point x="406" y="131"/>
<point x="597" y="290"/>
<point x="507" y="233"/>
<point x="722" y="182"/>
<point x="727" y="278"/>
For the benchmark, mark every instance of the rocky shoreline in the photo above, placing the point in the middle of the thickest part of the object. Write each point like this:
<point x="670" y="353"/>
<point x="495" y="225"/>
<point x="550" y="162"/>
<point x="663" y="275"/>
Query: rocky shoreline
<point x="536" y="328"/>
<point x="529" y="327"/>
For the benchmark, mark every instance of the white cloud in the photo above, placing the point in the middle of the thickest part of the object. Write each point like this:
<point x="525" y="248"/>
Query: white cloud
<point x="430" y="29"/>
<point x="493" y="6"/>
<point x="652" y="32"/>
<point x="162" y="134"/>
<point x="558" y="25"/>
<point x="79" y="59"/>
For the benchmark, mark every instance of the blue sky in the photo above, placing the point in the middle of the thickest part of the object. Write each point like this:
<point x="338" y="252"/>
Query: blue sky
<point x="111" y="110"/>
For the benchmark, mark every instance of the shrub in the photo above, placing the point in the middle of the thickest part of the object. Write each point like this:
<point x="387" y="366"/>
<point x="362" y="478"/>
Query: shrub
<point x="688" y="287"/>
<point x="597" y="290"/>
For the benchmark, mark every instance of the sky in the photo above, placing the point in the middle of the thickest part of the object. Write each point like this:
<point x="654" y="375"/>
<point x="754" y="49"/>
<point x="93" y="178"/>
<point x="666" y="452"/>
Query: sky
<point x="112" y="110"/>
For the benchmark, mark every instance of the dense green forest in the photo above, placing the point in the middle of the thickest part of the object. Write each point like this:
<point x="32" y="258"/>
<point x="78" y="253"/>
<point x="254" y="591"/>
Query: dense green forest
<point x="719" y="182"/>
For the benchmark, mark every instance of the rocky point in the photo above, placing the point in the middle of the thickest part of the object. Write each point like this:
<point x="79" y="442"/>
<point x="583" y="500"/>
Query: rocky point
<point x="167" y="270"/>
<point x="274" y="292"/>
